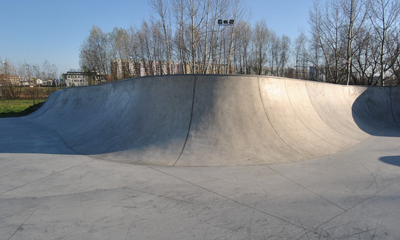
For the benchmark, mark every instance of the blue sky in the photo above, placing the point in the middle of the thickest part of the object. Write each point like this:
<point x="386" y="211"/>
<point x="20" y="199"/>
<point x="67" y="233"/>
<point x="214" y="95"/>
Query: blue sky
<point x="34" y="31"/>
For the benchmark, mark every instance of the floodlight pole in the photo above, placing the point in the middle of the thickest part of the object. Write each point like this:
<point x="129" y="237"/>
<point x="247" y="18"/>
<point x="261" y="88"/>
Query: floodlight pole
<point x="193" y="50"/>
<point x="5" y="68"/>
<point x="225" y="23"/>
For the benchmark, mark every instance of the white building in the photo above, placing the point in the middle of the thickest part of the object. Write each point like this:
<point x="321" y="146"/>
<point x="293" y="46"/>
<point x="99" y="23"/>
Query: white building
<point x="79" y="78"/>
<point x="39" y="82"/>
<point x="75" y="78"/>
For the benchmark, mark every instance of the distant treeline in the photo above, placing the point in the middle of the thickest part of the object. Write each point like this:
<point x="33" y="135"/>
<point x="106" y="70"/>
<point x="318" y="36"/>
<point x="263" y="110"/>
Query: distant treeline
<point x="350" y="41"/>
<point x="19" y="92"/>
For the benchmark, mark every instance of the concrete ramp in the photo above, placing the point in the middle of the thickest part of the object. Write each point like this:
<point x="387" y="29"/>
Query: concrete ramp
<point x="217" y="120"/>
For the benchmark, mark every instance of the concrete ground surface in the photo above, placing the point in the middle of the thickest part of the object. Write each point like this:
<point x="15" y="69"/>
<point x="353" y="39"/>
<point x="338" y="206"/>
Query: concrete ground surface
<point x="216" y="157"/>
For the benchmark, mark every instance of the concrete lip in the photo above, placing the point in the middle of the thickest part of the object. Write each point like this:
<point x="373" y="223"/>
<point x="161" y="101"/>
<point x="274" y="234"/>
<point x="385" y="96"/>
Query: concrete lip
<point x="341" y="182"/>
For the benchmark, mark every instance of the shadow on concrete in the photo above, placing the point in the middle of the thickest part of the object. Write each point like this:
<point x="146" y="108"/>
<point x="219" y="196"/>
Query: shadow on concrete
<point x="376" y="111"/>
<point x="392" y="160"/>
<point x="17" y="135"/>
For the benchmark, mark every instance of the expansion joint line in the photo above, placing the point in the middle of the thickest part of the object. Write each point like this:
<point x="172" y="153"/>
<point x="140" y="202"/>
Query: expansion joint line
<point x="226" y="197"/>
<point x="303" y="122"/>
<point x="397" y="124"/>
<point x="47" y="176"/>
<point x="20" y="226"/>
<point x="269" y="120"/>
<point x="190" y="120"/>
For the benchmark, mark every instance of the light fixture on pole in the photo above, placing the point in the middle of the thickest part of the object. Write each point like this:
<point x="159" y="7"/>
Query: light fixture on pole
<point x="225" y="23"/>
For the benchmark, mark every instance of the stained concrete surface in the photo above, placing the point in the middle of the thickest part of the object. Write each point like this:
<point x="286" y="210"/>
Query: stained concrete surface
<point x="52" y="187"/>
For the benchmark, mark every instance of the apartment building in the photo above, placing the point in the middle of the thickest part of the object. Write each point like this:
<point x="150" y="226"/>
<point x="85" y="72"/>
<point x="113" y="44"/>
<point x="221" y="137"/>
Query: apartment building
<point x="75" y="78"/>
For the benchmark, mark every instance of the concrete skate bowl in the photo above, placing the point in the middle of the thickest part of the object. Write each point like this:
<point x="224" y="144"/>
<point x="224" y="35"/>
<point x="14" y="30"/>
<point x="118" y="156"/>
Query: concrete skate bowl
<point x="377" y="108"/>
<point x="214" y="120"/>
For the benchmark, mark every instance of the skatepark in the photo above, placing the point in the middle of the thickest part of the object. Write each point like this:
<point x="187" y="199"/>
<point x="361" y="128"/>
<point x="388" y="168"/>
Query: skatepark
<point x="204" y="157"/>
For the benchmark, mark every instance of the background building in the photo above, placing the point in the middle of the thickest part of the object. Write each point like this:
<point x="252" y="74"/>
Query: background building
<point x="79" y="78"/>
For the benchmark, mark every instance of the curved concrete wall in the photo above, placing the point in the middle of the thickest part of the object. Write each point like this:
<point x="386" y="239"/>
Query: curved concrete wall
<point x="214" y="120"/>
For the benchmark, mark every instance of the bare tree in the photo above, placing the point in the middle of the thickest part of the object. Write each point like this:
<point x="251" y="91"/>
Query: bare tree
<point x="133" y="52"/>
<point x="36" y="72"/>
<point x="49" y="71"/>
<point x="365" y="57"/>
<point x="243" y="39"/>
<point x="94" y="53"/>
<point x="335" y="30"/>
<point x="25" y="72"/>
<point x="327" y="30"/>
<point x="180" y="42"/>
<point x="301" y="56"/>
<point x="284" y="52"/>
<point x="8" y="87"/>
<point x="274" y="53"/>
<point x="384" y="17"/>
<point x="396" y="66"/>
<point x="355" y="11"/>
<point x="145" y="48"/>
<point x="239" y="12"/>
<point x="261" y="41"/>
<point x="161" y="7"/>
<point x="119" y="41"/>
<point x="158" y="46"/>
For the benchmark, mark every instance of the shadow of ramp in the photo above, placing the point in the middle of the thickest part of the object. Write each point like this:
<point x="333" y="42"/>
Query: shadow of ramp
<point x="376" y="109"/>
<point x="20" y="136"/>
<point x="392" y="160"/>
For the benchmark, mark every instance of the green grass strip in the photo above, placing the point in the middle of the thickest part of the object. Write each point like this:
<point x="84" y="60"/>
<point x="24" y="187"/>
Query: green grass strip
<point x="18" y="107"/>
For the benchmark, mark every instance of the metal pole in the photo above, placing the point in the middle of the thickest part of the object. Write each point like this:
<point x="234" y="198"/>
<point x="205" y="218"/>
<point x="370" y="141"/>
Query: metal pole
<point x="224" y="57"/>
<point x="193" y="45"/>
<point x="223" y="23"/>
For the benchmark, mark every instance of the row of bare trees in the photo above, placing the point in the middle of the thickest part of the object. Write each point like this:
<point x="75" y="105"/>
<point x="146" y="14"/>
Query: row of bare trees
<point x="350" y="41"/>
<point x="356" y="41"/>
<point x="184" y="36"/>
<point x="28" y="72"/>
<point x="14" y="77"/>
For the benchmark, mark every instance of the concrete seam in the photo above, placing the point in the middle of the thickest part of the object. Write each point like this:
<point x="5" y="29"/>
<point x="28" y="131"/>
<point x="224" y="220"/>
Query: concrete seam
<point x="20" y="226"/>
<point x="391" y="107"/>
<point x="333" y="129"/>
<point x="226" y="197"/>
<point x="347" y="210"/>
<point x="36" y="180"/>
<point x="305" y="188"/>
<point x="266" y="114"/>
<point x="190" y="121"/>
<point x="58" y="135"/>
<point x="301" y="120"/>
<point x="65" y="142"/>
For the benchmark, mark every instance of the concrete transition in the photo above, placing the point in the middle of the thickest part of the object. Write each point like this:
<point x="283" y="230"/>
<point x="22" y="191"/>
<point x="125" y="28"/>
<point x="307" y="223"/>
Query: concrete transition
<point x="212" y="157"/>
<point x="208" y="120"/>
